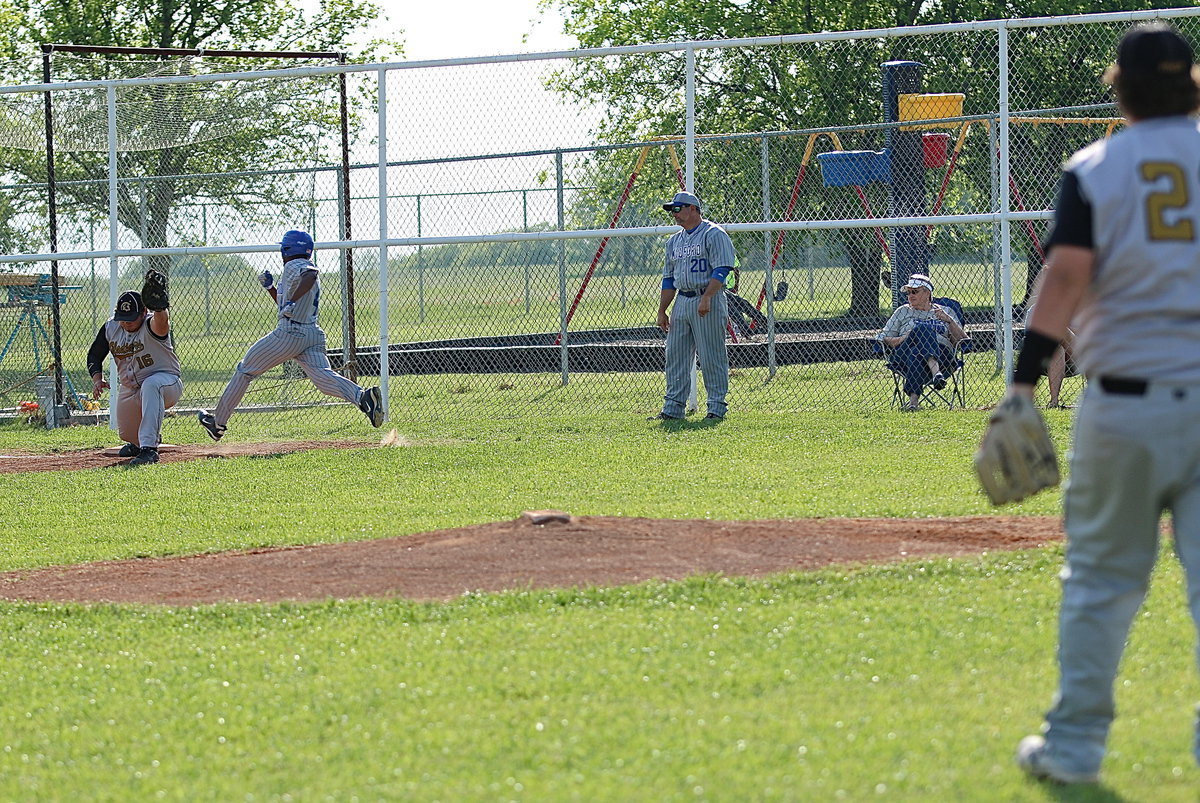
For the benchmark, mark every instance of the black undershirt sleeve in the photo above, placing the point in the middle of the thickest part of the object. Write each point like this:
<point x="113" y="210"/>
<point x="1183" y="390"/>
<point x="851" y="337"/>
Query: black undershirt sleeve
<point x="97" y="353"/>
<point x="1072" y="216"/>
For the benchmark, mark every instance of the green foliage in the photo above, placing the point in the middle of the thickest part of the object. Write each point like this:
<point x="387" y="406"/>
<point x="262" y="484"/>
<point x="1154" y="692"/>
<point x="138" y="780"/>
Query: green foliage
<point x="228" y="128"/>
<point x="818" y="85"/>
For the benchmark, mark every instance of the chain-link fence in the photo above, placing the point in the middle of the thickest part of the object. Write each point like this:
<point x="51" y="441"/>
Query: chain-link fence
<point x="498" y="234"/>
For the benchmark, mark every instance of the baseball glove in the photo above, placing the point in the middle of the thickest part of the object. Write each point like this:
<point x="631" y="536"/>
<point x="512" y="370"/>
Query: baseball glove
<point x="1017" y="458"/>
<point x="154" y="291"/>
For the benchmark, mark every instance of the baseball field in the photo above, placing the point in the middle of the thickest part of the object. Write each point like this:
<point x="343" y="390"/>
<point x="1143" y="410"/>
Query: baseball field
<point x="907" y="678"/>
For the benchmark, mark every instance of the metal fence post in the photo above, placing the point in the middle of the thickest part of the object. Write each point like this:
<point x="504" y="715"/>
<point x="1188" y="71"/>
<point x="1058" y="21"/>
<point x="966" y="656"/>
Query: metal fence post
<point x="766" y="210"/>
<point x="562" y="271"/>
<point x="420" y="269"/>
<point x="525" y="228"/>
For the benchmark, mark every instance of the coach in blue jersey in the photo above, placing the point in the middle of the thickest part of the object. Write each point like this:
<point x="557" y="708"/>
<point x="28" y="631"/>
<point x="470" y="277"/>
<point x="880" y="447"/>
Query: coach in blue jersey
<point x="698" y="260"/>
<point x="1123" y="267"/>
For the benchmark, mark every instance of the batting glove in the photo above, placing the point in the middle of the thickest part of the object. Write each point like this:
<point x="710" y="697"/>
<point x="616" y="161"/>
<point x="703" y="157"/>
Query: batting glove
<point x="288" y="309"/>
<point x="266" y="279"/>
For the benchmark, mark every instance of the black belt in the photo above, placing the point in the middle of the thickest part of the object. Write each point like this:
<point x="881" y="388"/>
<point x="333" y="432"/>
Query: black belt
<point x="688" y="293"/>
<point x="1123" y="386"/>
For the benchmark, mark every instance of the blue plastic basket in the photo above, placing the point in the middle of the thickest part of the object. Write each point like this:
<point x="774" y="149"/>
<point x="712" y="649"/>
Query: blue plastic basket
<point x="850" y="168"/>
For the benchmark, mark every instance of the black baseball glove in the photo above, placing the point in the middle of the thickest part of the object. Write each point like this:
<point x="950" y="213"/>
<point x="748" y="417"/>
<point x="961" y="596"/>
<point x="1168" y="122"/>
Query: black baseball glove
<point x="154" y="291"/>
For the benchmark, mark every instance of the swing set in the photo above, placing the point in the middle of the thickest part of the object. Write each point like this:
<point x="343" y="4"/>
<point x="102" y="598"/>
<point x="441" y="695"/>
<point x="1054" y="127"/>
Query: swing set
<point x="855" y="169"/>
<point x="639" y="165"/>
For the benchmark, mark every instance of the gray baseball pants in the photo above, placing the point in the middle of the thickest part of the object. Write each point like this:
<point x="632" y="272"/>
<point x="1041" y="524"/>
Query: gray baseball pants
<point x="140" y="412"/>
<point x="1134" y="457"/>
<point x="304" y="343"/>
<point x="689" y="336"/>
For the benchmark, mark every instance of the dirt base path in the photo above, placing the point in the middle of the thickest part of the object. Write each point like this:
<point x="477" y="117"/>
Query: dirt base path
<point x="13" y="462"/>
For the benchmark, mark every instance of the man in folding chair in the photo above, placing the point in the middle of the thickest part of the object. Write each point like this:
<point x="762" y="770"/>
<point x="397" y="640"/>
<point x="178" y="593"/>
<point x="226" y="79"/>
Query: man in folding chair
<point x="921" y="336"/>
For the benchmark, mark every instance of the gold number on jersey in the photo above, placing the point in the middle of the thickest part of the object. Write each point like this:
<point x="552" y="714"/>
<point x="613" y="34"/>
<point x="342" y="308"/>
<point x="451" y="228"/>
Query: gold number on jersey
<point x="145" y="361"/>
<point x="1160" y="201"/>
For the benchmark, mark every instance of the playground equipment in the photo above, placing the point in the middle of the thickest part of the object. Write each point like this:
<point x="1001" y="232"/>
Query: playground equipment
<point x="923" y="126"/>
<point x="616" y="215"/>
<point x="28" y="293"/>
<point x="909" y="150"/>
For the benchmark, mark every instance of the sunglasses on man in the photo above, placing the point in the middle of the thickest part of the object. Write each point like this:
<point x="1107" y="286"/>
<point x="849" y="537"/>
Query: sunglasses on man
<point x="673" y="208"/>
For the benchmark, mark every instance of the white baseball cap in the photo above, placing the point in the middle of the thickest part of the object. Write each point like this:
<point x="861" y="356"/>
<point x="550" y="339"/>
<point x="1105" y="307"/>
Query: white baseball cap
<point x="918" y="280"/>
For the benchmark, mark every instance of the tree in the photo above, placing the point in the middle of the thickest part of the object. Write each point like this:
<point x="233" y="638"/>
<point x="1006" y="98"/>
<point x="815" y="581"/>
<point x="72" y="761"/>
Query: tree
<point x="743" y="90"/>
<point x="173" y="139"/>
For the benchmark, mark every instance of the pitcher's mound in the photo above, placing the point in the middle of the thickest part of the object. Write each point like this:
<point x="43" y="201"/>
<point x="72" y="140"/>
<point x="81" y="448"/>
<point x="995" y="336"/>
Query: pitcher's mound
<point x="580" y="551"/>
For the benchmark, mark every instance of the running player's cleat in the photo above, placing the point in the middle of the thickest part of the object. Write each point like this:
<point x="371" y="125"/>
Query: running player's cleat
<point x="371" y="403"/>
<point x="145" y="456"/>
<point x="210" y="425"/>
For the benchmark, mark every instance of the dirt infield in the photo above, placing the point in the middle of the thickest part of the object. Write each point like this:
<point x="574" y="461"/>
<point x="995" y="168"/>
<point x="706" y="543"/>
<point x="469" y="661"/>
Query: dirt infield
<point x="532" y="551"/>
<point x="14" y="462"/>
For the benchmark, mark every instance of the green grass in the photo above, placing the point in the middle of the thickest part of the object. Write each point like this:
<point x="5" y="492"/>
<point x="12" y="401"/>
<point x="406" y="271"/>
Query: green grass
<point x="909" y="682"/>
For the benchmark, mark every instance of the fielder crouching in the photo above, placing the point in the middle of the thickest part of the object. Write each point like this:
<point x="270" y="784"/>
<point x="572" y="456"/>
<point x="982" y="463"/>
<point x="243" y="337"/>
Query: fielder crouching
<point x="141" y="344"/>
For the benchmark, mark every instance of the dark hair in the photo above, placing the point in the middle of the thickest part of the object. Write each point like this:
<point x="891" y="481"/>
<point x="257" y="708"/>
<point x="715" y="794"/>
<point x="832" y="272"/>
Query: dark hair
<point x="1144" y="95"/>
<point x="1155" y="73"/>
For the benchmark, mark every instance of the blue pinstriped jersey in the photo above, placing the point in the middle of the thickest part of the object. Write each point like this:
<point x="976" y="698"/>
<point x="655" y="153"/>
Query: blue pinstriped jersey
<point x="306" y="307"/>
<point x="692" y="256"/>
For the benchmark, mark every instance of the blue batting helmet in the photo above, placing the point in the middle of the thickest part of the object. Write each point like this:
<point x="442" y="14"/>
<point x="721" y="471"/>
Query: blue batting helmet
<point x="296" y="243"/>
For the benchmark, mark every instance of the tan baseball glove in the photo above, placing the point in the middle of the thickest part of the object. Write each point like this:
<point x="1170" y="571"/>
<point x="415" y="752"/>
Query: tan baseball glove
<point x="1017" y="458"/>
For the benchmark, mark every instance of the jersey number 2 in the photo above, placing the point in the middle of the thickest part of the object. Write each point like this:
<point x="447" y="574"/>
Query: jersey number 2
<point x="1174" y="197"/>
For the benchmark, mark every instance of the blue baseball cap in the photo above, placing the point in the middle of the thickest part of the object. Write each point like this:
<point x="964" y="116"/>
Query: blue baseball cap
<point x="680" y="199"/>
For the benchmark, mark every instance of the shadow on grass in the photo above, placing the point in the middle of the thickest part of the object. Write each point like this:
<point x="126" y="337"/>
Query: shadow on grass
<point x="1078" y="793"/>
<point x="684" y="424"/>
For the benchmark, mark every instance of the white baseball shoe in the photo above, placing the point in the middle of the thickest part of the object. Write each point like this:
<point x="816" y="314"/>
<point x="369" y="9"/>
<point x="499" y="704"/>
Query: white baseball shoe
<point x="1035" y="758"/>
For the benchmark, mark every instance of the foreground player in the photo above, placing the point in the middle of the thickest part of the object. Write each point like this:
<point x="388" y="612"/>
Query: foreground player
<point x="1125" y="257"/>
<point x="698" y="260"/>
<point x="296" y="337"/>
<point x="140" y="342"/>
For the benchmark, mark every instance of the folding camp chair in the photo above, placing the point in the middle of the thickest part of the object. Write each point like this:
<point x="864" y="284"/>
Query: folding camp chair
<point x="954" y="393"/>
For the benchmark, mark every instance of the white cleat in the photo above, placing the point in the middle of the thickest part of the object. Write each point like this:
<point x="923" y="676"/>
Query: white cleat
<point x="1034" y="757"/>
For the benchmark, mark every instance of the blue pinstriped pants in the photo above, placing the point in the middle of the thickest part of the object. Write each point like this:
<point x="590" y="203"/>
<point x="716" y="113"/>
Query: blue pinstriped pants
<point x="304" y="343"/>
<point x="689" y="336"/>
